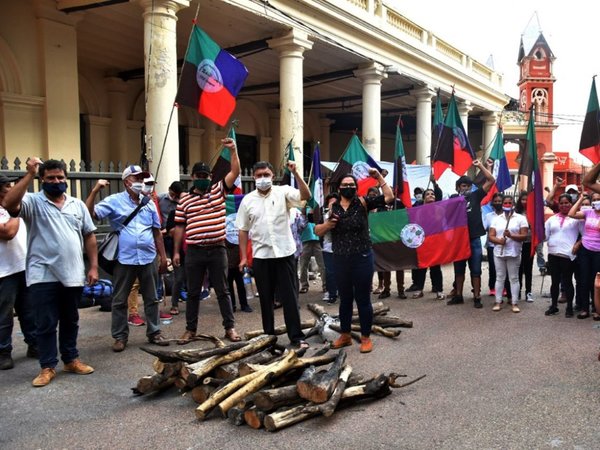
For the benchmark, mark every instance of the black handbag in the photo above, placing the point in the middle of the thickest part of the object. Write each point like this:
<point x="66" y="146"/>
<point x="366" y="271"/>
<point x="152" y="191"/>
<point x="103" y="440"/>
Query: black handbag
<point x="108" y="251"/>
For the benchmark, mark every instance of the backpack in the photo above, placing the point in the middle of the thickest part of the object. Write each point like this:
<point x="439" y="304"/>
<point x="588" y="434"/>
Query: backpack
<point x="98" y="294"/>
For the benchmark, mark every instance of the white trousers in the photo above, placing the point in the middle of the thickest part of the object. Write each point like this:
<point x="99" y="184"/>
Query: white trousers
<point x="507" y="265"/>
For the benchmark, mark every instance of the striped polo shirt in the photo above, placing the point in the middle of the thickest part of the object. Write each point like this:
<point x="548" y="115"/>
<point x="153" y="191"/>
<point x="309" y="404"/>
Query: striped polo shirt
<point x="203" y="216"/>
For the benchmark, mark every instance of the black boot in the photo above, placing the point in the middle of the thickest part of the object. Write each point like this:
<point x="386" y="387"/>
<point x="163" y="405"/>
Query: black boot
<point x="6" y="361"/>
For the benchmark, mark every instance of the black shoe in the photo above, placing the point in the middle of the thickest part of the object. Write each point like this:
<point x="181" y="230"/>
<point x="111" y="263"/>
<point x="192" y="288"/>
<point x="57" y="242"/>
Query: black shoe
<point x="583" y="315"/>
<point x="569" y="313"/>
<point x="6" y="361"/>
<point x="331" y="301"/>
<point x="553" y="310"/>
<point x="477" y="303"/>
<point x="158" y="339"/>
<point x="412" y="288"/>
<point x="456" y="300"/>
<point x="32" y="352"/>
<point x="384" y="294"/>
<point x="247" y="309"/>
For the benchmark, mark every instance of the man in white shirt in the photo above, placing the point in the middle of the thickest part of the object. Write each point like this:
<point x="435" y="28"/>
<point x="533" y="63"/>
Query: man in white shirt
<point x="264" y="213"/>
<point x="13" y="291"/>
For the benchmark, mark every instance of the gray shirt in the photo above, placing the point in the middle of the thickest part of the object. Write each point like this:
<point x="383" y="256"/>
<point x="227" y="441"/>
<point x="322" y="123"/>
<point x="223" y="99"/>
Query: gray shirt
<point x="55" y="239"/>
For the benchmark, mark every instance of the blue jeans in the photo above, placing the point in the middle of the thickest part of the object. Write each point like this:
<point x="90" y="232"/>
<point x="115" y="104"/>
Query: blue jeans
<point x="353" y="275"/>
<point x="460" y="267"/>
<point x="56" y="306"/>
<point x="330" y="281"/>
<point x="14" y="295"/>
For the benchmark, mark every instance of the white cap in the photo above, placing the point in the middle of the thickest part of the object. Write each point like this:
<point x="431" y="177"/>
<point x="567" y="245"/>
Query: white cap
<point x="149" y="180"/>
<point x="573" y="187"/>
<point x="134" y="170"/>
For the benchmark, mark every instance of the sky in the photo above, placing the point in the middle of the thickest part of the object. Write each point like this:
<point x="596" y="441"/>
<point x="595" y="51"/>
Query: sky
<point x="482" y="28"/>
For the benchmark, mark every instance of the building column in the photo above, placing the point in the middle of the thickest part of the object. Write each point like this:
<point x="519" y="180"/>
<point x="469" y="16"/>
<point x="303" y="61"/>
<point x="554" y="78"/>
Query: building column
<point x="264" y="147"/>
<point x="275" y="148"/>
<point x="325" y="142"/>
<point x="371" y="76"/>
<point x="291" y="48"/>
<point x="117" y="88"/>
<point x="424" y="122"/>
<point x="464" y="108"/>
<point x="548" y="161"/>
<point x="490" y="128"/>
<point x="160" y="68"/>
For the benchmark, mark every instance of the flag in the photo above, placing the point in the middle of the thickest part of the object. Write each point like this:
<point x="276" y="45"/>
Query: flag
<point x="223" y="166"/>
<point x="356" y="161"/>
<point x="423" y="236"/>
<point x="211" y="78"/>
<point x="530" y="168"/>
<point x="317" y="200"/>
<point x="589" y="145"/>
<point x="288" y="178"/>
<point x="438" y="125"/>
<point x="401" y="188"/>
<point x="454" y="149"/>
<point x="500" y="168"/>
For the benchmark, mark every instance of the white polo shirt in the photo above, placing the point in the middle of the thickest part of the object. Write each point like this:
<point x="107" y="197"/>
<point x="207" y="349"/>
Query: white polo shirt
<point x="266" y="218"/>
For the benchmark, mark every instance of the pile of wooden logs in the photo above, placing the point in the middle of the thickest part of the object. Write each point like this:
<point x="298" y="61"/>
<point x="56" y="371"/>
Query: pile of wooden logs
<point x="260" y="383"/>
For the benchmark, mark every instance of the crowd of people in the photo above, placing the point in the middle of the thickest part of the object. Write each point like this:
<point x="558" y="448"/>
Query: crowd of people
<point x="43" y="237"/>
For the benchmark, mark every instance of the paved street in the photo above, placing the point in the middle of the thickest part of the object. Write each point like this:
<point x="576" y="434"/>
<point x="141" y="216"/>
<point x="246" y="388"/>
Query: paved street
<point x="494" y="380"/>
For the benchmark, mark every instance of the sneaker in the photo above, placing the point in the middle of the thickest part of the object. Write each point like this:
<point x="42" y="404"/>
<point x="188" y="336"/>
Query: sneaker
<point x="6" y="361"/>
<point x="401" y="294"/>
<point x="529" y="297"/>
<point x="183" y="296"/>
<point x="186" y="337"/>
<point x="553" y="310"/>
<point x="492" y="293"/>
<point x="378" y="290"/>
<point x="204" y="294"/>
<point x="516" y="309"/>
<point x="325" y="297"/>
<point x="384" y="294"/>
<point x="158" y="339"/>
<point x="477" y="303"/>
<point x="135" y="320"/>
<point x="456" y="300"/>
<point x="119" y="345"/>
<point x="78" y="367"/>
<point x="164" y="315"/>
<point x="497" y="307"/>
<point x="439" y="296"/>
<point x="331" y="300"/>
<point x="366" y="344"/>
<point x="44" y="378"/>
<point x="569" y="313"/>
<point x="343" y="341"/>
<point x="32" y="352"/>
<point x="247" y="309"/>
<point x="417" y="294"/>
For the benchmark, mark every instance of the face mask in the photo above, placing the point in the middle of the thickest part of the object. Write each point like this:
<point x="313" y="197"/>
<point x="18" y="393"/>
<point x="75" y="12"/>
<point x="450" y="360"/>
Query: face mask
<point x="497" y="208"/>
<point x="264" y="183"/>
<point x="137" y="187"/>
<point x="202" y="184"/>
<point x="418" y="197"/>
<point x="585" y="208"/>
<point x="348" y="192"/>
<point x="147" y="189"/>
<point x="55" y="189"/>
<point x="507" y="209"/>
<point x="596" y="205"/>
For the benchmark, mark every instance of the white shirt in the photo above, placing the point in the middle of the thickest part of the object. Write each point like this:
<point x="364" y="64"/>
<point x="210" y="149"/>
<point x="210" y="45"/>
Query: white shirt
<point x="487" y="220"/>
<point x="512" y="247"/>
<point x="14" y="251"/>
<point x="561" y="234"/>
<point x="266" y="218"/>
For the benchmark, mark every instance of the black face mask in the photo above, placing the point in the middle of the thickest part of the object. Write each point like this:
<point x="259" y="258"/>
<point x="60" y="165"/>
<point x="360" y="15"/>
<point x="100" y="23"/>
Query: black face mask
<point x="55" y="189"/>
<point x="348" y="192"/>
<point x="498" y="208"/>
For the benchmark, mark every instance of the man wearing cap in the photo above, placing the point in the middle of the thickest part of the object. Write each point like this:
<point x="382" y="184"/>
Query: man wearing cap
<point x="139" y="243"/>
<point x="476" y="229"/>
<point x="200" y="215"/>
<point x="13" y="293"/>
<point x="58" y="226"/>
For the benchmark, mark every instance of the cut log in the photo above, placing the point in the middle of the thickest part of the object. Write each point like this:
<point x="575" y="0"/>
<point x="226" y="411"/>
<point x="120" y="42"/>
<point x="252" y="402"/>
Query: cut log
<point x="317" y="386"/>
<point x="355" y="335"/>
<point x="391" y="333"/>
<point x="263" y="357"/>
<point x="391" y="321"/>
<point x="190" y="355"/>
<point x="318" y="310"/>
<point x="180" y="383"/>
<point x="272" y="371"/>
<point x="153" y="383"/>
<point x="271" y="399"/>
<point x="254" y="417"/>
<point x="281" y="419"/>
<point x="329" y="406"/>
<point x="282" y="329"/>
<point x="202" y="368"/>
<point x="201" y="393"/>
<point x="300" y="363"/>
<point x="236" y="416"/>
<point x="378" y="309"/>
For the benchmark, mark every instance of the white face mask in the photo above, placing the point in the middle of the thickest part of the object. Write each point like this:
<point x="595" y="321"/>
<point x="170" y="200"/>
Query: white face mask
<point x="596" y="205"/>
<point x="137" y="187"/>
<point x="147" y="189"/>
<point x="418" y="197"/>
<point x="264" y="183"/>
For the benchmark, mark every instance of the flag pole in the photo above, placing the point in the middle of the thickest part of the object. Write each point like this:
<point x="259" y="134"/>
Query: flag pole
<point x="162" y="150"/>
<point x="217" y="152"/>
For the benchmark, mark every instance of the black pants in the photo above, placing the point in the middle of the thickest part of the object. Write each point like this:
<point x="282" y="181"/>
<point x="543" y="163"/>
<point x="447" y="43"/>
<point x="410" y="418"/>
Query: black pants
<point x="491" y="268"/>
<point x="435" y="273"/>
<point x="278" y="277"/>
<point x="561" y="271"/>
<point x="235" y="276"/>
<point x="526" y="268"/>
<point x="197" y="261"/>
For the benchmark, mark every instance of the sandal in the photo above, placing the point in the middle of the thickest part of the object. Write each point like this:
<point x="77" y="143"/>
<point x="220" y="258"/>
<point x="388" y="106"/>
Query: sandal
<point x="300" y="345"/>
<point x="378" y="291"/>
<point x="174" y="311"/>
<point x="595" y="316"/>
<point x="583" y="315"/>
<point x="232" y="336"/>
<point x="304" y="290"/>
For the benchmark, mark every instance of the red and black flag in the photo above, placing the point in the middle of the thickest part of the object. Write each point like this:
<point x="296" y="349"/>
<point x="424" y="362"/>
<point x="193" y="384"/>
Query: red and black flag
<point x="589" y="145"/>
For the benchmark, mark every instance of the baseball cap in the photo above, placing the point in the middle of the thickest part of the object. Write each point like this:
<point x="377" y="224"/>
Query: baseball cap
<point x="5" y="180"/>
<point x="150" y="180"/>
<point x="200" y="167"/>
<point x="134" y="170"/>
<point x="573" y="187"/>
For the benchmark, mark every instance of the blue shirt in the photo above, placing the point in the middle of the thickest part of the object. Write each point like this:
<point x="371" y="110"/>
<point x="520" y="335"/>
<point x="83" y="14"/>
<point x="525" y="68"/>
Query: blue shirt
<point x="136" y="240"/>
<point x="308" y="234"/>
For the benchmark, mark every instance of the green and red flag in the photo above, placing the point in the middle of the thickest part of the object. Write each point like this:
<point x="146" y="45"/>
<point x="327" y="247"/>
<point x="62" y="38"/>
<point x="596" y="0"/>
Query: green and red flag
<point x="356" y="161"/>
<point x="499" y="170"/>
<point x="530" y="168"/>
<point x="401" y="188"/>
<point x="454" y="149"/>
<point x="437" y="126"/>
<point x="423" y="236"/>
<point x="317" y="199"/>
<point x="589" y="145"/>
<point x="288" y="178"/>
<point x="223" y="166"/>
<point x="211" y="78"/>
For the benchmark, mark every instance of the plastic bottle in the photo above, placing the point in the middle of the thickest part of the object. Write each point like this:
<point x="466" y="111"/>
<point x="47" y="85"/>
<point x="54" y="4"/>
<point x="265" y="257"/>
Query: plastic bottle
<point x="248" y="284"/>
